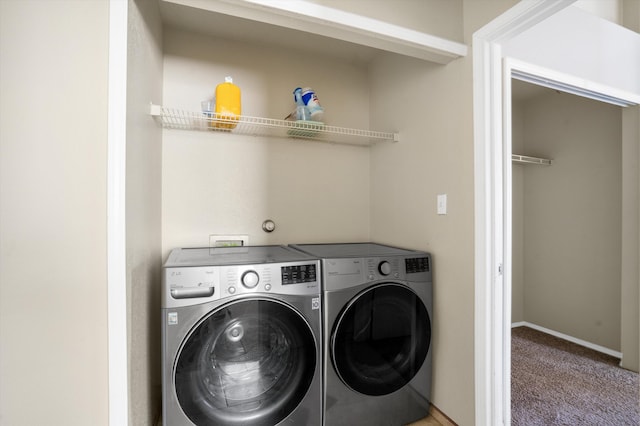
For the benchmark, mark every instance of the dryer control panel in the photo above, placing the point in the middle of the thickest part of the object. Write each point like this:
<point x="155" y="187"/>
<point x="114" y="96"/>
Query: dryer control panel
<point x="185" y="286"/>
<point x="348" y="272"/>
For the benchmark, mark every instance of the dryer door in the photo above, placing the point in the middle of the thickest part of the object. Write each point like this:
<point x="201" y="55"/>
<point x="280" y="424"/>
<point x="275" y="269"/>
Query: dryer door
<point x="381" y="339"/>
<point x="250" y="362"/>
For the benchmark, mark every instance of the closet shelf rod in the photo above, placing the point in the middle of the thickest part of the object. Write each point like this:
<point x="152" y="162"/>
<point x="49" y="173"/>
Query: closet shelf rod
<point x="524" y="159"/>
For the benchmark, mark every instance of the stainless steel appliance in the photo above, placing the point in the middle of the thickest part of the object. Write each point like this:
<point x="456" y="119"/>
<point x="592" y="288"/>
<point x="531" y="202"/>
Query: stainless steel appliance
<point x="241" y="337"/>
<point x="377" y="303"/>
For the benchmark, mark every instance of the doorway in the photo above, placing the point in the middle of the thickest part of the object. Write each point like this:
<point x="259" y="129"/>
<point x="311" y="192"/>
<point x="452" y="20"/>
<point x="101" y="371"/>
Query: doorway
<point x="518" y="34"/>
<point x="567" y="243"/>
<point x="567" y="214"/>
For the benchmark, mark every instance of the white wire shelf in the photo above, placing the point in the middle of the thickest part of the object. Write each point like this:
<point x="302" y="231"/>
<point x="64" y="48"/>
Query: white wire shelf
<point x="524" y="159"/>
<point x="172" y="118"/>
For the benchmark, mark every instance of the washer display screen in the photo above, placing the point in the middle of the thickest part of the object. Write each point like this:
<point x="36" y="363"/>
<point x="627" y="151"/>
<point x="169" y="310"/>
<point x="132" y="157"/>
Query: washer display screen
<point x="298" y="274"/>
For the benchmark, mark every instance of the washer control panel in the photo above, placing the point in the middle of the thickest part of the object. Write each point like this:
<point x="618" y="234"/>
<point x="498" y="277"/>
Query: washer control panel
<point x="184" y="286"/>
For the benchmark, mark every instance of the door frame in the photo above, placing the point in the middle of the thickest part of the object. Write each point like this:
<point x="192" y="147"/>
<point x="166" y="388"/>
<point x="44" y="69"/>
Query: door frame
<point x="117" y="319"/>
<point x="492" y="74"/>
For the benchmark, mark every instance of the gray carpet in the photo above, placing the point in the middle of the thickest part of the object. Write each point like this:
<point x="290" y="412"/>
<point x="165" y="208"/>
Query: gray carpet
<point x="555" y="382"/>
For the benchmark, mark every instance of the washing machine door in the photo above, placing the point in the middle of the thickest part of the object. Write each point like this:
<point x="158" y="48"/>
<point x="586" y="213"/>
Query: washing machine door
<point x="381" y="339"/>
<point x="248" y="363"/>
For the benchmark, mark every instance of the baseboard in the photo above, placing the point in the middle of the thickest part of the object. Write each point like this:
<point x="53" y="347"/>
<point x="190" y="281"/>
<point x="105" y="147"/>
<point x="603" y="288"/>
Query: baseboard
<point x="568" y="338"/>
<point x="442" y="418"/>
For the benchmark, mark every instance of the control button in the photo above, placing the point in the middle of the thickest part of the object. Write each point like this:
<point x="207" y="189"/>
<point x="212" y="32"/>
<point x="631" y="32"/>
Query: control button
<point x="267" y="287"/>
<point x="384" y="268"/>
<point x="250" y="279"/>
<point x="371" y="277"/>
<point x="231" y="290"/>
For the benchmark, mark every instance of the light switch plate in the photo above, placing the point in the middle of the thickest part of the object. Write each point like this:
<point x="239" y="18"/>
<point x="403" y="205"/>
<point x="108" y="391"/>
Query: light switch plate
<point x="442" y="204"/>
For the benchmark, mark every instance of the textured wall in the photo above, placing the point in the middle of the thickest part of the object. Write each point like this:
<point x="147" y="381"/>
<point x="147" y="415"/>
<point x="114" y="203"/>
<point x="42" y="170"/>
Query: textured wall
<point x="53" y="194"/>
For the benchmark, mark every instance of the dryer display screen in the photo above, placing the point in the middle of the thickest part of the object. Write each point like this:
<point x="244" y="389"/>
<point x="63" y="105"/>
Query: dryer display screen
<point x="298" y="274"/>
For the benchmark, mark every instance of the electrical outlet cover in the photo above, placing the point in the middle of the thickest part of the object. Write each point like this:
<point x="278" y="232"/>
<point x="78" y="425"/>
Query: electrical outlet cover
<point x="228" y="240"/>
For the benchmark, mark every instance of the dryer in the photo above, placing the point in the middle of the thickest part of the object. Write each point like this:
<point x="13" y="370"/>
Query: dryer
<point x="377" y="313"/>
<point x="241" y="337"/>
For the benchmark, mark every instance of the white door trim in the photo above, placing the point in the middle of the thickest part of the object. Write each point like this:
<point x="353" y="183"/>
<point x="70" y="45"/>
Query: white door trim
<point x="492" y="75"/>
<point x="116" y="216"/>
<point x="492" y="355"/>
<point x="568" y="83"/>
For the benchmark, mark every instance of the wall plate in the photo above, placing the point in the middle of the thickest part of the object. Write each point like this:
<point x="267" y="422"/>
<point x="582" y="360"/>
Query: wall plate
<point x="216" y="240"/>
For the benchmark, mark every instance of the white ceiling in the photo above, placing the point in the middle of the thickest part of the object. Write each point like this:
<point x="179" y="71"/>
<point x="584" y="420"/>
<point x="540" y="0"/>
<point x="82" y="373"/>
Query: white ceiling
<point x="243" y="30"/>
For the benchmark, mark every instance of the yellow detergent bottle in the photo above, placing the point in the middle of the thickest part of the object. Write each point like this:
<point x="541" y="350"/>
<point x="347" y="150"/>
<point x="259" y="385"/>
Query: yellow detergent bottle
<point x="228" y="107"/>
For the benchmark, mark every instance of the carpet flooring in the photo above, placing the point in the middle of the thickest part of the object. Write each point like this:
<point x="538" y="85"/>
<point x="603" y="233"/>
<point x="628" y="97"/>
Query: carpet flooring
<point x="555" y="382"/>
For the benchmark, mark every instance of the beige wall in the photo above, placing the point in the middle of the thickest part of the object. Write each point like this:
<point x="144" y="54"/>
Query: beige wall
<point x="143" y="211"/>
<point x="387" y="193"/>
<point x="517" y="226"/>
<point x="47" y="224"/>
<point x="229" y="184"/>
<point x="630" y="287"/>
<point x="219" y="184"/>
<point x="441" y="18"/>
<point x="546" y="45"/>
<point x="432" y="107"/>
<point x="432" y="158"/>
<point x="631" y="218"/>
<point x="572" y="214"/>
<point x="53" y="168"/>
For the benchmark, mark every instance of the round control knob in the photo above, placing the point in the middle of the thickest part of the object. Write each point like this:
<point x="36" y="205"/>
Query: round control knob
<point x="384" y="268"/>
<point x="250" y="279"/>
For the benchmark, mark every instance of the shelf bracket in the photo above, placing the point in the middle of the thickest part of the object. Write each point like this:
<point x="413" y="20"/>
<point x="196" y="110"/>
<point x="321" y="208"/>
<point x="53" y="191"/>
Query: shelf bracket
<point x="155" y="110"/>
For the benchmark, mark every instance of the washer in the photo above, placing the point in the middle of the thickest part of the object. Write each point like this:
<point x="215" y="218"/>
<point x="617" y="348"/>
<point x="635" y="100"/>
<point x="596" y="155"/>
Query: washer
<point x="377" y="303"/>
<point x="241" y="337"/>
